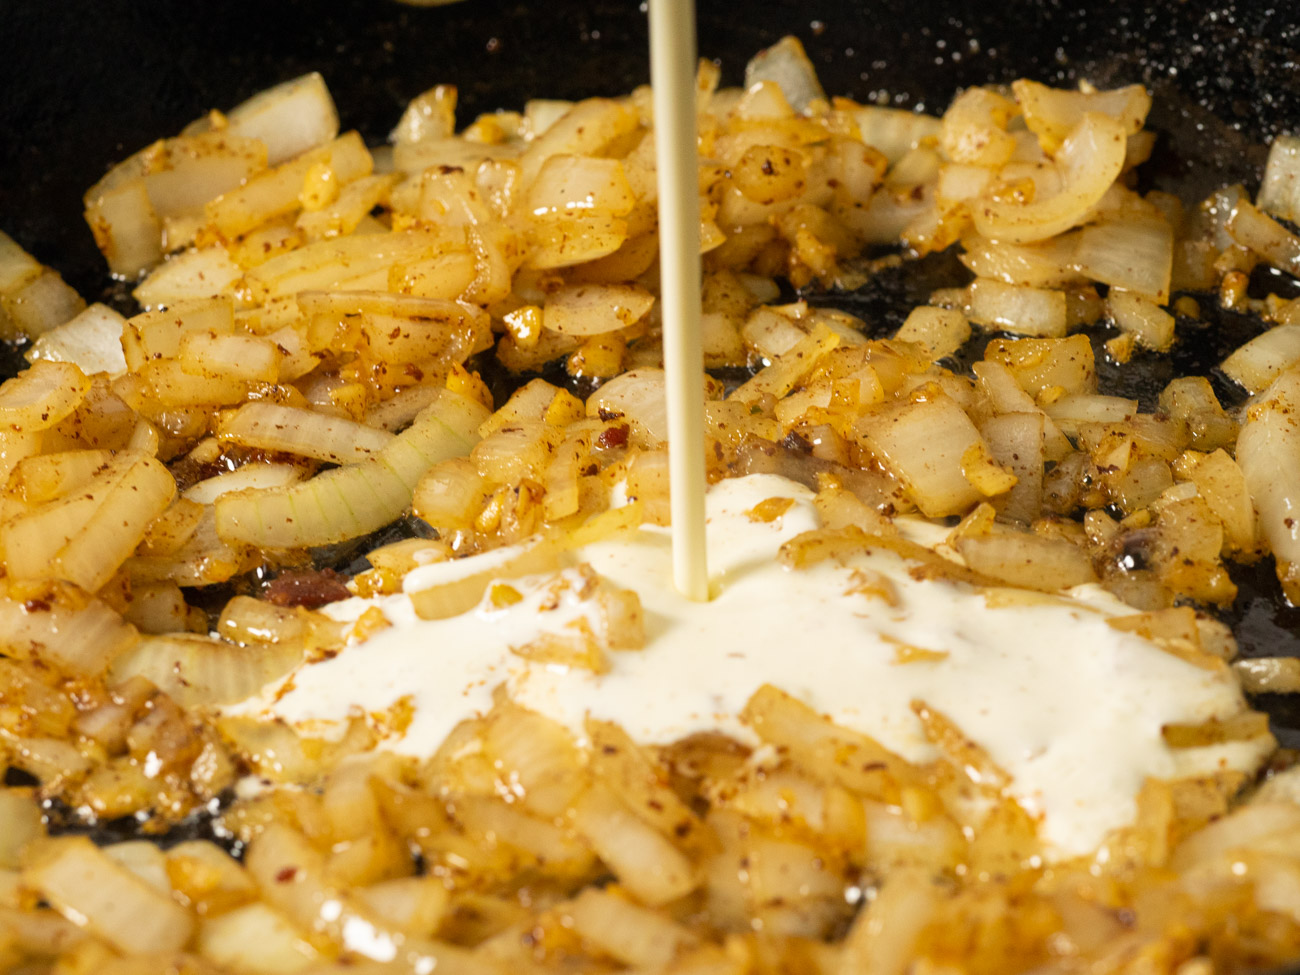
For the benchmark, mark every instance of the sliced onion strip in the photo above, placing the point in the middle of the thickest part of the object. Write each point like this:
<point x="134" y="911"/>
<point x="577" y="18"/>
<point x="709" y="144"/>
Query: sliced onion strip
<point x="346" y="502"/>
<point x="1090" y="159"/>
<point x="306" y="433"/>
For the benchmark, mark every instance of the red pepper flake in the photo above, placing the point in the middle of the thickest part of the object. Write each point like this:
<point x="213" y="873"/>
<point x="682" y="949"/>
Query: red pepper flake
<point x="615" y="436"/>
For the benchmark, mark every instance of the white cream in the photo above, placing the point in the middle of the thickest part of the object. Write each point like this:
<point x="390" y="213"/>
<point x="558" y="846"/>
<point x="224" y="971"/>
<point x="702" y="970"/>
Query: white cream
<point x="1069" y="707"/>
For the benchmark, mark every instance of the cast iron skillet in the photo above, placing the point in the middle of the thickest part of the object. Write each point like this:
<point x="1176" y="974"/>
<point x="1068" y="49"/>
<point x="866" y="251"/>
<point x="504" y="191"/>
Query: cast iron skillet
<point x="82" y="84"/>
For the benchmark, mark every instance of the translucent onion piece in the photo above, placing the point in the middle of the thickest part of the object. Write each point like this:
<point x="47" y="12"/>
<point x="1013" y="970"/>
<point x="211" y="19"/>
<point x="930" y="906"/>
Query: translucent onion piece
<point x="894" y="131"/>
<point x="202" y="559"/>
<point x="47" y="477"/>
<point x="1279" y="192"/>
<point x="1090" y="159"/>
<point x="627" y="931"/>
<point x="17" y="267"/>
<point x="346" y="502"/>
<point x="1264" y="358"/>
<point x="90" y="889"/>
<point x="1268" y="451"/>
<point x="158" y="334"/>
<point x="198" y="273"/>
<point x="462" y="593"/>
<point x="786" y="63"/>
<point x="76" y="636"/>
<point x="254" y="476"/>
<point x="1151" y="324"/>
<point x="975" y="128"/>
<point x="1028" y="561"/>
<point x="940" y="331"/>
<point x="563" y="242"/>
<point x="416" y="157"/>
<point x="592" y="309"/>
<point x="290" y="118"/>
<point x="92" y="341"/>
<point x="43" y="303"/>
<point x="1136" y="255"/>
<point x="245" y="357"/>
<point x="20" y="823"/>
<point x="789" y="368"/>
<point x="197" y="671"/>
<point x="579" y="184"/>
<point x="1044" y="265"/>
<point x="429" y="115"/>
<point x="275" y="192"/>
<point x="191" y="170"/>
<point x="1011" y="308"/>
<point x="254" y="938"/>
<point x="1071" y="412"/>
<point x="1265" y="236"/>
<point x="127" y="229"/>
<point x="583" y="130"/>
<point x="305" y="433"/>
<point x="923" y="444"/>
<point x="345" y="214"/>
<point x="327" y="264"/>
<point x="39" y="397"/>
<point x="1051" y="113"/>
<point x="637" y="396"/>
<point x="86" y="538"/>
<point x="649" y="866"/>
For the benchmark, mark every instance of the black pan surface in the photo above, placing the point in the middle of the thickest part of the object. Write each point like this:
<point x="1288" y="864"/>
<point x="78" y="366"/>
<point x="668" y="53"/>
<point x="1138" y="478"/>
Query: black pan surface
<point x="83" y="84"/>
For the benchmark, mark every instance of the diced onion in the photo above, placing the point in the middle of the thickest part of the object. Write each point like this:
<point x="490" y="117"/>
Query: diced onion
<point x="643" y="860"/>
<point x="90" y="889"/>
<point x="637" y="397"/>
<point x="86" y="538"/>
<point x="1265" y="236"/>
<point x="1279" y="191"/>
<point x="77" y="637"/>
<point x="1264" y="358"/>
<point x="786" y="63"/>
<point x="1028" y="561"/>
<point x="275" y="192"/>
<point x="196" y="273"/>
<point x="1268" y="450"/>
<point x="923" y="444"/>
<point x="1135" y="313"/>
<point x="17" y="267"/>
<point x="92" y="341"/>
<point x="127" y="229"/>
<point x="1048" y="264"/>
<point x="576" y="184"/>
<point x="1136" y="255"/>
<point x="895" y="131"/>
<point x="290" y="118"/>
<point x="1012" y="308"/>
<point x="43" y="303"/>
<point x="39" y="397"/>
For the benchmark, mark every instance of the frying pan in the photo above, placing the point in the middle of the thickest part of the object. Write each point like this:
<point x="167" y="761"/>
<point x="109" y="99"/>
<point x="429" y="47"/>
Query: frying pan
<point x="82" y="84"/>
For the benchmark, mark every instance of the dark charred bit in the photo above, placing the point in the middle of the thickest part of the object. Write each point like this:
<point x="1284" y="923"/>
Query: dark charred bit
<point x="797" y="442"/>
<point x="309" y="588"/>
<point x="189" y="472"/>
